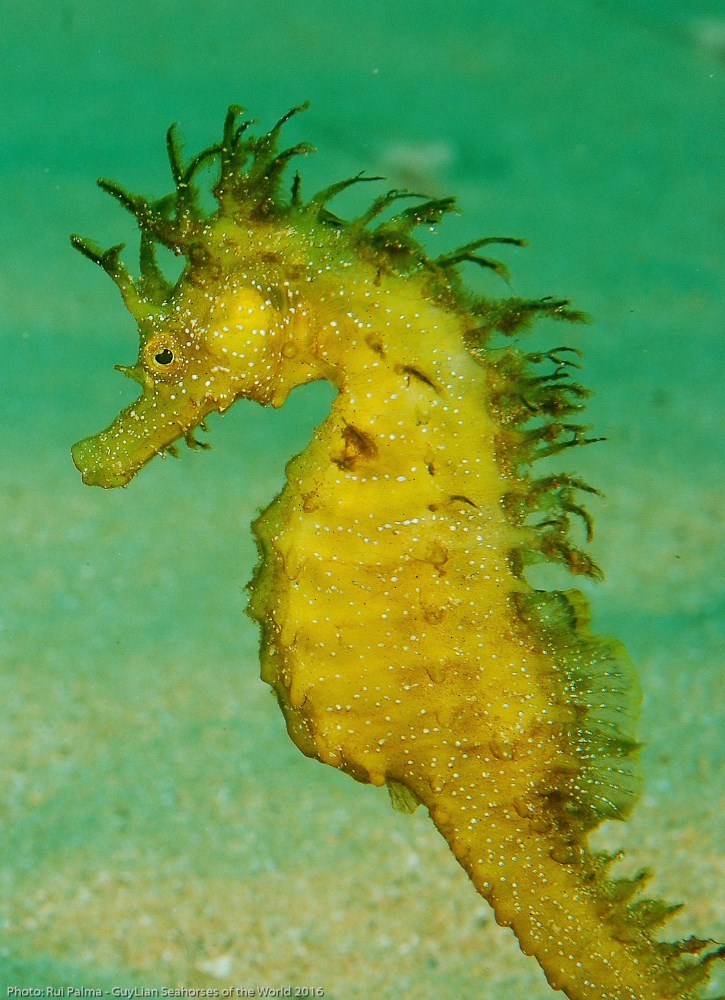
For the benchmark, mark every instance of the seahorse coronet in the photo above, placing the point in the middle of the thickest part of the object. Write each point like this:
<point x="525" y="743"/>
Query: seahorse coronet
<point x="398" y="627"/>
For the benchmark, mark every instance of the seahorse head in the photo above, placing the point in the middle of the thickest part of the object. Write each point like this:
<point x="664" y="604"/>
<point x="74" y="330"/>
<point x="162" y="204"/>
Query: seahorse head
<point x="233" y="325"/>
<point x="199" y="352"/>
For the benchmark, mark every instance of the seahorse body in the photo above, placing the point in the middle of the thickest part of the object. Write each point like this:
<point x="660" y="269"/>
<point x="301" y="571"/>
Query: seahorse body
<point x="398" y="629"/>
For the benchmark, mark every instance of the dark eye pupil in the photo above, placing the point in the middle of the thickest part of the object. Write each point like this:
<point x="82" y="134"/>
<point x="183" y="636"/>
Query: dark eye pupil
<point x="164" y="357"/>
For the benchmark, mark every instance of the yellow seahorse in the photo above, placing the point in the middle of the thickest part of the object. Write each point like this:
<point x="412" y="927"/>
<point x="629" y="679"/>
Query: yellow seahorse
<point x="400" y="634"/>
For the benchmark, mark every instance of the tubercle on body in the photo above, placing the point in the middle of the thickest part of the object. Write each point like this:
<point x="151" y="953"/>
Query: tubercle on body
<point x="411" y="517"/>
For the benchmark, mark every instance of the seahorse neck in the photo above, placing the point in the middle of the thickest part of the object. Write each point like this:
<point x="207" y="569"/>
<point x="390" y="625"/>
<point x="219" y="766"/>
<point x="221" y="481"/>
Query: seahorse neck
<point x="411" y="402"/>
<point x="361" y="327"/>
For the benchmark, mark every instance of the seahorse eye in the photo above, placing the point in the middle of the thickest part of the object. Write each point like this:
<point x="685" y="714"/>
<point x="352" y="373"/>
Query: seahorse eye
<point x="164" y="357"/>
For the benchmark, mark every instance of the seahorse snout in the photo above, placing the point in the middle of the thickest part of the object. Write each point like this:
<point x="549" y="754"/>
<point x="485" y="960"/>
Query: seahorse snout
<point x="87" y="459"/>
<point x="146" y="428"/>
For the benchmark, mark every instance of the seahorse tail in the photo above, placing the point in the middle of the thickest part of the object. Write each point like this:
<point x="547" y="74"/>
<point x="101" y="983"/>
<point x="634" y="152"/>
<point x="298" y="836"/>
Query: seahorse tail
<point x="590" y="933"/>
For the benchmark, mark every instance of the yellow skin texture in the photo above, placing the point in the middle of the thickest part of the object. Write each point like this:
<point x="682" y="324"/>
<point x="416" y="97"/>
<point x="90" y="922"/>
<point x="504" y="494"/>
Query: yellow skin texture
<point x="387" y="594"/>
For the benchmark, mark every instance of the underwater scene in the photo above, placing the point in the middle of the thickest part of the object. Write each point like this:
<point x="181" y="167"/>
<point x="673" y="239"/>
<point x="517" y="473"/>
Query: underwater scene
<point x="420" y="587"/>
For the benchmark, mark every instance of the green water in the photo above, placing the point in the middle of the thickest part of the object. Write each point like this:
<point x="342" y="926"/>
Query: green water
<point x="158" y="828"/>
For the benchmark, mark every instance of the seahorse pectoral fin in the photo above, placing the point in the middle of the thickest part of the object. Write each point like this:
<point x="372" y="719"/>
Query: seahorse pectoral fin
<point x="146" y="428"/>
<point x="402" y="798"/>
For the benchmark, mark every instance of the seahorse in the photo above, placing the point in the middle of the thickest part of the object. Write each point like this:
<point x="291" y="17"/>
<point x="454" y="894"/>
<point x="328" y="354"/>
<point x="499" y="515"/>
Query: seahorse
<point x="398" y="629"/>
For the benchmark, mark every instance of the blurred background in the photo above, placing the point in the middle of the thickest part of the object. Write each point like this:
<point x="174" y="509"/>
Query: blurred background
<point x="158" y="828"/>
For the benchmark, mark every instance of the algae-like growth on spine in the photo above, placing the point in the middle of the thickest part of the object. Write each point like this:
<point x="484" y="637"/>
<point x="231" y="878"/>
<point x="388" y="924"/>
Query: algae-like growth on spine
<point x="400" y="634"/>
